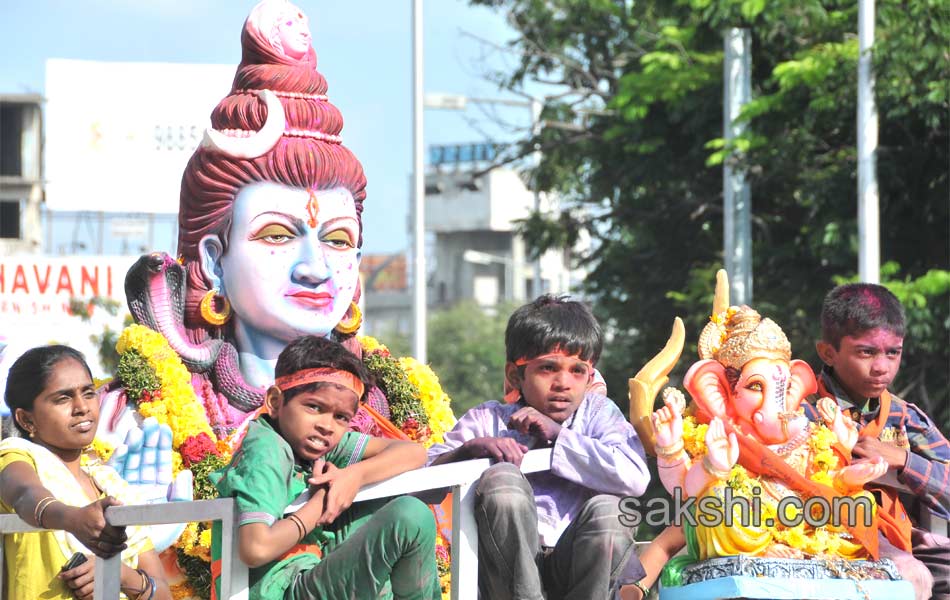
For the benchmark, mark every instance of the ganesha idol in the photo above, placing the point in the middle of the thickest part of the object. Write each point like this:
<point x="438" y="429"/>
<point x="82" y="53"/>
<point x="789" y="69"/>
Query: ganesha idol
<point x="779" y="509"/>
<point x="269" y="248"/>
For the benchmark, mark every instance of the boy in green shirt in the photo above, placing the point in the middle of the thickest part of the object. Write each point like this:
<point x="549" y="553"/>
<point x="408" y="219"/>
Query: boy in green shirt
<point x="295" y="476"/>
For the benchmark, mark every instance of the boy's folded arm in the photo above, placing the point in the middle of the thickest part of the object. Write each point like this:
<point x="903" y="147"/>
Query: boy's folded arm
<point x="926" y="476"/>
<point x="606" y="455"/>
<point x="260" y="542"/>
<point x="469" y="427"/>
<point x="385" y="458"/>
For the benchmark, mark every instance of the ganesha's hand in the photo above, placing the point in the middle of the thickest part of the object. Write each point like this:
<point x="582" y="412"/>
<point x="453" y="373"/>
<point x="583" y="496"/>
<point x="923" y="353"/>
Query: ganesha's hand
<point x="722" y="451"/>
<point x="668" y="425"/>
<point x="861" y="471"/>
<point x="675" y="399"/>
<point x="844" y="427"/>
<point x="145" y="461"/>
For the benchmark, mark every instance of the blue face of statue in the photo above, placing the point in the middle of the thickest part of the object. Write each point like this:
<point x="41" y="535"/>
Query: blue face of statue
<point x="291" y="265"/>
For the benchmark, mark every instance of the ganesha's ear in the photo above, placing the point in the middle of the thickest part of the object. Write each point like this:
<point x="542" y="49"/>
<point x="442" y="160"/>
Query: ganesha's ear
<point x="706" y="382"/>
<point x="801" y="384"/>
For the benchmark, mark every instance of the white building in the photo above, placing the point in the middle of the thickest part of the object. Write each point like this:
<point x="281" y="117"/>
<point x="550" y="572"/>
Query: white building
<point x="478" y="253"/>
<point x="21" y="173"/>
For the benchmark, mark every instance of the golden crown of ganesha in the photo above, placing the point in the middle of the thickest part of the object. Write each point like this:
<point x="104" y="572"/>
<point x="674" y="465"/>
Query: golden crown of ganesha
<point x="738" y="334"/>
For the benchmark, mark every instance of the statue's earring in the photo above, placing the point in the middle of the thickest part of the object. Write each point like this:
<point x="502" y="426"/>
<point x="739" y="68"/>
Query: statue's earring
<point x="209" y="310"/>
<point x="351" y="320"/>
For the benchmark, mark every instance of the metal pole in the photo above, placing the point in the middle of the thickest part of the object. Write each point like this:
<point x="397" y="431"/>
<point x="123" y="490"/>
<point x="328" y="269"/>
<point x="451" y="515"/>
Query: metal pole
<point x="418" y="192"/>
<point x="869" y="250"/>
<point x="737" y="203"/>
<point x="536" y="107"/>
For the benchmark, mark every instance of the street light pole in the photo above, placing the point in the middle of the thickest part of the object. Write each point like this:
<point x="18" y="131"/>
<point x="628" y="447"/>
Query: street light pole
<point x="419" y="296"/>
<point x="536" y="106"/>
<point x="737" y="210"/>
<point x="869" y="250"/>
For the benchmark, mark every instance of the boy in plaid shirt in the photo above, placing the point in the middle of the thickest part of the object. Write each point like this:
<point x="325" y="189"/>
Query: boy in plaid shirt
<point x="862" y="335"/>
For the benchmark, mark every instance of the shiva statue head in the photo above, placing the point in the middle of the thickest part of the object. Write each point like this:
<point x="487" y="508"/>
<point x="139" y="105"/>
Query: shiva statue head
<point x="271" y="203"/>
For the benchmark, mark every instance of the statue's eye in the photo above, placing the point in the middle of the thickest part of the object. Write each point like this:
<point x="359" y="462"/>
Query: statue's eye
<point x="755" y="386"/>
<point x="339" y="239"/>
<point x="274" y="234"/>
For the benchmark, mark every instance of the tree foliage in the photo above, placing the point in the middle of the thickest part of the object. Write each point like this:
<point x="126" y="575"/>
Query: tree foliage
<point x="632" y="144"/>
<point x="467" y="350"/>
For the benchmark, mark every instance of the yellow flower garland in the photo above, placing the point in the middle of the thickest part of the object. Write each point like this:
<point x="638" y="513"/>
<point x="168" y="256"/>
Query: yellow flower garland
<point x="818" y="541"/>
<point x="371" y="344"/>
<point x="180" y="407"/>
<point x="434" y="400"/>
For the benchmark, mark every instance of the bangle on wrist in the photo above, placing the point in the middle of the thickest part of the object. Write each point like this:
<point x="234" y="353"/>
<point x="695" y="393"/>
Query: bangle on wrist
<point x="643" y="590"/>
<point x="143" y="584"/>
<point x="670" y="451"/>
<point x="713" y="471"/>
<point x="300" y="526"/>
<point x="40" y="508"/>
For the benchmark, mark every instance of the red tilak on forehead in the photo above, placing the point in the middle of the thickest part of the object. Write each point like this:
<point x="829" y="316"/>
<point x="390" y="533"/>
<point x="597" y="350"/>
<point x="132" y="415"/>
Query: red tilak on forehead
<point x="558" y="353"/>
<point x="313" y="208"/>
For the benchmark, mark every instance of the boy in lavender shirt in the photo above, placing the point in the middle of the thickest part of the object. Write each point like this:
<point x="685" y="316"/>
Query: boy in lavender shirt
<point x="555" y="534"/>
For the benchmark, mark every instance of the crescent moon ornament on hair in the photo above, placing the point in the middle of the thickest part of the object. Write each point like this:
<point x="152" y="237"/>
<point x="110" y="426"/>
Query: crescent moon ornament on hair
<point x="250" y="144"/>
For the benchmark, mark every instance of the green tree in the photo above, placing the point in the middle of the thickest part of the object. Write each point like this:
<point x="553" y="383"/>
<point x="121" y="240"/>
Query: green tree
<point x="632" y="144"/>
<point x="105" y="342"/>
<point x="467" y="351"/>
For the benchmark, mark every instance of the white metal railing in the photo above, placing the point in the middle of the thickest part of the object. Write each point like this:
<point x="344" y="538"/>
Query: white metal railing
<point x="459" y="478"/>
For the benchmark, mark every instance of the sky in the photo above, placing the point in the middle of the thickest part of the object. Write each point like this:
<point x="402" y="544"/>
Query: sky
<point x="363" y="48"/>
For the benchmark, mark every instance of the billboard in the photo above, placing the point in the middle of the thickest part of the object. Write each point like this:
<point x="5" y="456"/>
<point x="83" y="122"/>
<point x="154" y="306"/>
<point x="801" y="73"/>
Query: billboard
<point x="118" y="135"/>
<point x="35" y="295"/>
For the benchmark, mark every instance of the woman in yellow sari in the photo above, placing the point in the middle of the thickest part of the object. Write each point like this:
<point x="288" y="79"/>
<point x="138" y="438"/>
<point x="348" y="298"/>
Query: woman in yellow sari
<point x="44" y="480"/>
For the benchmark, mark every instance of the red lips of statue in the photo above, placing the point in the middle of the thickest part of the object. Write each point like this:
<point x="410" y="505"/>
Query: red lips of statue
<point x="309" y="299"/>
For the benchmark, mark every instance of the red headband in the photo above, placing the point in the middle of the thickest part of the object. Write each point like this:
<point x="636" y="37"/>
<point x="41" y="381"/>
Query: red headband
<point x="321" y="375"/>
<point x="557" y="353"/>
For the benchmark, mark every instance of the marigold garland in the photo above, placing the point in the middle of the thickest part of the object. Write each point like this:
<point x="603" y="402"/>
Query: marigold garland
<point x="163" y="389"/>
<point x="180" y="407"/>
<point x="434" y="400"/>
<point x="418" y="404"/>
